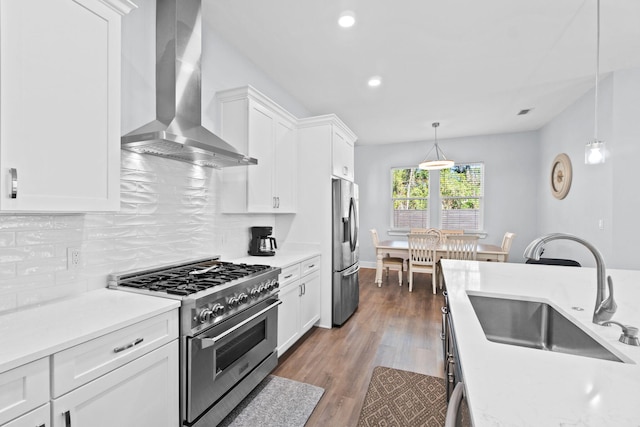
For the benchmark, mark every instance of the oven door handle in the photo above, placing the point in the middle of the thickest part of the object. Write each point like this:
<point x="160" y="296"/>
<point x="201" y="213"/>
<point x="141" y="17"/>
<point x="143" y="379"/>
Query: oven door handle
<point x="208" y="342"/>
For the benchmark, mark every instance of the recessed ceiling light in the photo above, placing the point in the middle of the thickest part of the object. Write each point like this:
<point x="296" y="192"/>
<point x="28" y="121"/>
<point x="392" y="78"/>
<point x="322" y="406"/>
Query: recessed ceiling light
<point x="375" y="81"/>
<point x="347" y="19"/>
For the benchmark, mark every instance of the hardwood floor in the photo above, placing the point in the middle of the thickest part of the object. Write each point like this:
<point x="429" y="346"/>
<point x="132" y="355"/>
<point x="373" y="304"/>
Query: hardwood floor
<point x="391" y="327"/>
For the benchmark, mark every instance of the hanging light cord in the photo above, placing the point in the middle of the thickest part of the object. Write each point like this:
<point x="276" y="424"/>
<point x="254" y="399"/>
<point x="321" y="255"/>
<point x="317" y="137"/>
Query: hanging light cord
<point x="595" y="126"/>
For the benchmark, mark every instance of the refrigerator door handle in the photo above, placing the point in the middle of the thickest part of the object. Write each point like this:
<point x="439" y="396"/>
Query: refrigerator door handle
<point x="353" y="225"/>
<point x="351" y="273"/>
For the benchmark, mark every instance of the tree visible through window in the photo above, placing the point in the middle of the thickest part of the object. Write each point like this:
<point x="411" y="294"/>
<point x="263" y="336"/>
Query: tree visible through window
<point x="460" y="198"/>
<point x="410" y="198"/>
<point x="461" y="194"/>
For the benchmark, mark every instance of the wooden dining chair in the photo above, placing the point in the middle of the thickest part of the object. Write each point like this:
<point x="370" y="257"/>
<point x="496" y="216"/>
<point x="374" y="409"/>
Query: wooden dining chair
<point x="388" y="262"/>
<point x="463" y="247"/>
<point x="445" y="232"/>
<point x="422" y="257"/>
<point x="432" y="231"/>
<point x="507" y="240"/>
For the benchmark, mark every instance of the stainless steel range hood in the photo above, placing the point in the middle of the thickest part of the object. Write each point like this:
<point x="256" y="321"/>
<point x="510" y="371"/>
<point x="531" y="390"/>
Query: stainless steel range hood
<point x="177" y="132"/>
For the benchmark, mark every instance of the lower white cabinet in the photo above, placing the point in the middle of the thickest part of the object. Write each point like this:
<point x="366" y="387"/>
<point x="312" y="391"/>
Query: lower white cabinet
<point x="141" y="393"/>
<point x="39" y="417"/>
<point x="23" y="389"/>
<point x="300" y="296"/>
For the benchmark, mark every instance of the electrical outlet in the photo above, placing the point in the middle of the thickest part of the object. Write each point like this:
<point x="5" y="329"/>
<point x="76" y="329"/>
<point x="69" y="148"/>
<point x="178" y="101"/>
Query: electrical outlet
<point x="73" y="258"/>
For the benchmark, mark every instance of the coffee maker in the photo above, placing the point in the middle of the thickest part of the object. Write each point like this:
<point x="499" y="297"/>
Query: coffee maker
<point x="262" y="244"/>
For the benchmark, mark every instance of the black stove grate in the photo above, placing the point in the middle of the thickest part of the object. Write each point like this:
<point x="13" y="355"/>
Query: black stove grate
<point x="192" y="279"/>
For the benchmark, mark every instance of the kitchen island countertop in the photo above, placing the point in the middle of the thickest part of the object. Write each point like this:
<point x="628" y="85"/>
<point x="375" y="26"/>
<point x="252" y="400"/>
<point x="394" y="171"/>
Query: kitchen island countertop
<point x="516" y="386"/>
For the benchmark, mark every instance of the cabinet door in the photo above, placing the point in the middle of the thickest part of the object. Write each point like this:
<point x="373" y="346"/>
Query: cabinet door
<point x="343" y="155"/>
<point x="286" y="167"/>
<point x="23" y="389"/>
<point x="261" y="146"/>
<point x="39" y="417"/>
<point x="289" y="317"/>
<point x="143" y="392"/>
<point x="310" y="301"/>
<point x="60" y="105"/>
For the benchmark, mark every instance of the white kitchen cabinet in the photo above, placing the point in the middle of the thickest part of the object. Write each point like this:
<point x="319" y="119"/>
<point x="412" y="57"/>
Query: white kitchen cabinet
<point x="133" y="369"/>
<point x="39" y="417"/>
<point x="342" y="154"/>
<point x="300" y="296"/>
<point x="143" y="392"/>
<point x="23" y="389"/>
<point x="254" y="124"/>
<point x="319" y="140"/>
<point x="60" y="105"/>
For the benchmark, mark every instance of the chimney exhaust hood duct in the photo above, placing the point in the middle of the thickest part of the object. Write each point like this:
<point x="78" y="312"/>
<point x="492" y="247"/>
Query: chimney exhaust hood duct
<point x="177" y="132"/>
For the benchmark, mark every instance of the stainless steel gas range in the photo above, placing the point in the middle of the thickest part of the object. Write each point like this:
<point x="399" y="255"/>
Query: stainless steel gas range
<point x="228" y="329"/>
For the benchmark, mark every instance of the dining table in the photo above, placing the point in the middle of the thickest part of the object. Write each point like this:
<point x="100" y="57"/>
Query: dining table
<point x="400" y="248"/>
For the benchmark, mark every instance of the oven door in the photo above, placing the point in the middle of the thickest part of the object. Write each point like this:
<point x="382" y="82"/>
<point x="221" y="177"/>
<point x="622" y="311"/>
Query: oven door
<point x="221" y="356"/>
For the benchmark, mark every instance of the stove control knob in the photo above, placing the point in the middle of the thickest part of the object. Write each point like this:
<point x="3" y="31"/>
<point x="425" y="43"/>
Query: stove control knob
<point x="205" y="315"/>
<point x="254" y="292"/>
<point x="242" y="298"/>
<point x="262" y="287"/>
<point x="217" y="310"/>
<point x="276" y="284"/>
<point x="233" y="301"/>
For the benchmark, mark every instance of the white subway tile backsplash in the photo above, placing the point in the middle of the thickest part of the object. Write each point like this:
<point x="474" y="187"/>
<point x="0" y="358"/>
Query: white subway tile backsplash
<point x="168" y="213"/>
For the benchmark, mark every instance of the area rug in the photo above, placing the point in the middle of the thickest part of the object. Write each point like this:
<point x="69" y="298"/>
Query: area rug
<point x="276" y="402"/>
<point x="402" y="398"/>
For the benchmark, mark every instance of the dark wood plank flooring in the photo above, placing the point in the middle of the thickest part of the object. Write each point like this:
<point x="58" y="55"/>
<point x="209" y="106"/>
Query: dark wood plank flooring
<point x="391" y="327"/>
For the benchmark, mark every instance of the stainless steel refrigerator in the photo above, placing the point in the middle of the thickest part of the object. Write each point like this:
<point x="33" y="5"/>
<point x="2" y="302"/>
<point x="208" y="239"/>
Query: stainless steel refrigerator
<point x="346" y="248"/>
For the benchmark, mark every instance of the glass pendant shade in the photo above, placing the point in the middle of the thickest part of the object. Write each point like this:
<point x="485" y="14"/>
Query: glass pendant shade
<point x="439" y="160"/>
<point x="594" y="152"/>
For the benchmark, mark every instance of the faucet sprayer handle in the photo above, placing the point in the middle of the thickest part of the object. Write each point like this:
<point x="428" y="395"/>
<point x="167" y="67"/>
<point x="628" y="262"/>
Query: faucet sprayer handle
<point x="629" y="333"/>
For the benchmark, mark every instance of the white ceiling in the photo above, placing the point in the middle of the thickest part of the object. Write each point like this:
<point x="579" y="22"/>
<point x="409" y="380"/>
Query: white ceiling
<point x="471" y="65"/>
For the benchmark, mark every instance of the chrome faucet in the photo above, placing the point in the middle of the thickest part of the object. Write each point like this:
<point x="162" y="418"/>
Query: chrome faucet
<point x="604" y="308"/>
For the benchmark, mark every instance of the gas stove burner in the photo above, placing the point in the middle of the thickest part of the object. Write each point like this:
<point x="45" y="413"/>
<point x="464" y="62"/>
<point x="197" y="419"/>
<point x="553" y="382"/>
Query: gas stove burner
<point x="188" y="280"/>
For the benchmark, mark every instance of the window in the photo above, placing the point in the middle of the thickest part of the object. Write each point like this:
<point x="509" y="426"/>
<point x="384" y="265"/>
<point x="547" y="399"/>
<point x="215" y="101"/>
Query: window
<point x="457" y="205"/>
<point x="461" y="194"/>
<point x="410" y="198"/>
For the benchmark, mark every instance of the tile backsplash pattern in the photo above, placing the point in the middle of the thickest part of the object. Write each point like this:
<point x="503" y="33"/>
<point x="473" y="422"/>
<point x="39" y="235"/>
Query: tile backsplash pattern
<point x="168" y="212"/>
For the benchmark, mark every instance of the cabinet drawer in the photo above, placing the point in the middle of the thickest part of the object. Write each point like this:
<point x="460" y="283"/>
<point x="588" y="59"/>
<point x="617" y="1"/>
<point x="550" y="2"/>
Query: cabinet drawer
<point x="23" y="389"/>
<point x="289" y="275"/>
<point x="37" y="418"/>
<point x="87" y="361"/>
<point x="310" y="265"/>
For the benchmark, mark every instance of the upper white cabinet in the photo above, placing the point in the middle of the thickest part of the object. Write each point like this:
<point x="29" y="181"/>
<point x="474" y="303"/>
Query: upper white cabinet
<point x="60" y="105"/>
<point x="342" y="146"/>
<point x="254" y="124"/>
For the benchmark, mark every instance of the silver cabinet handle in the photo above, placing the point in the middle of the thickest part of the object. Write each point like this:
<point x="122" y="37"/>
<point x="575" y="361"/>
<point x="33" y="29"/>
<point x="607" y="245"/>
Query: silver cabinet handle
<point x="311" y="266"/>
<point x="67" y="418"/>
<point x="14" y="182"/>
<point x="287" y="276"/>
<point x="299" y="290"/>
<point x="208" y="342"/>
<point x="127" y="346"/>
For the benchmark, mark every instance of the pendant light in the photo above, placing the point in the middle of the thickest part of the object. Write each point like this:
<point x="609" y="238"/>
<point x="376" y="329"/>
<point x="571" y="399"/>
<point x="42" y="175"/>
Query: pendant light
<point x="440" y="161"/>
<point x="594" y="151"/>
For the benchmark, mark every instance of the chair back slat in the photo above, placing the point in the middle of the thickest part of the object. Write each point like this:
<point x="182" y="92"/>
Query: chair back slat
<point x="422" y="248"/>
<point x="507" y="240"/>
<point x="462" y="247"/>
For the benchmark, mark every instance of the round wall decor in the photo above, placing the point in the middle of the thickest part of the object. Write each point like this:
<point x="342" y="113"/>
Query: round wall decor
<point x="561" y="174"/>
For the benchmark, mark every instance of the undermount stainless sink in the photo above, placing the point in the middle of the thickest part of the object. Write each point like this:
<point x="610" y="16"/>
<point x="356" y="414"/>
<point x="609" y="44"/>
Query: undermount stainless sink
<point x="535" y="324"/>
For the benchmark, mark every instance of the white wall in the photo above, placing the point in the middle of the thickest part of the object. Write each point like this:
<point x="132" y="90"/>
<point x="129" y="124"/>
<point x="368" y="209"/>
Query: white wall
<point x="598" y="192"/>
<point x="511" y="171"/>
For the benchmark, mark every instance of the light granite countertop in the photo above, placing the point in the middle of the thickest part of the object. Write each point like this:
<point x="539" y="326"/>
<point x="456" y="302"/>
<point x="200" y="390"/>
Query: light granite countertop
<point x="515" y="386"/>
<point x="36" y="332"/>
